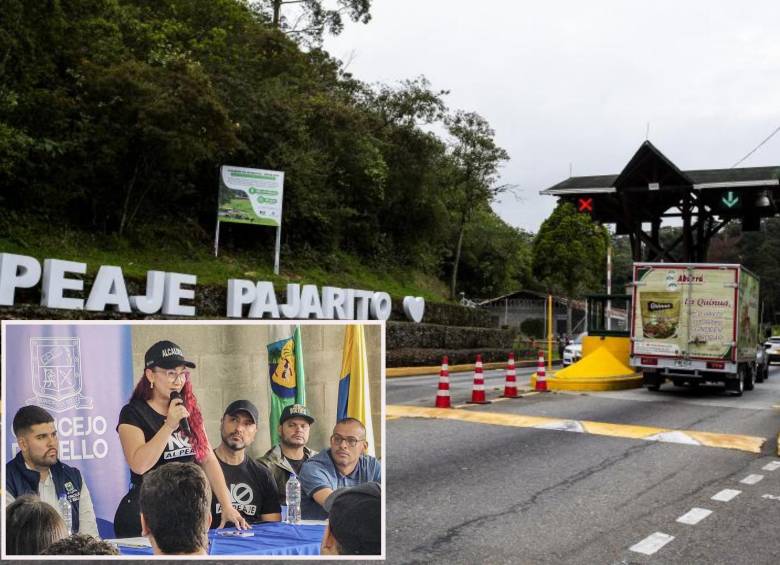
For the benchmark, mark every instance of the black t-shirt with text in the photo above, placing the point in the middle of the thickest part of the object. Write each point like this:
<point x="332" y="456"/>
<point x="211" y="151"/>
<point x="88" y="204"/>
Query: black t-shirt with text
<point x="252" y="491"/>
<point x="296" y="464"/>
<point x="139" y="414"/>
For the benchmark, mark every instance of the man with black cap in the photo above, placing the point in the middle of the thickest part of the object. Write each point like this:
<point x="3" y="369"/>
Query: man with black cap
<point x="288" y="455"/>
<point x="252" y="488"/>
<point x="354" y="521"/>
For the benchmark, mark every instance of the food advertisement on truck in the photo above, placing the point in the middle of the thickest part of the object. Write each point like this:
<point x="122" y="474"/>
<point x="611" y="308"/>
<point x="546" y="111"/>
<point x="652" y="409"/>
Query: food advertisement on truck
<point x="683" y="311"/>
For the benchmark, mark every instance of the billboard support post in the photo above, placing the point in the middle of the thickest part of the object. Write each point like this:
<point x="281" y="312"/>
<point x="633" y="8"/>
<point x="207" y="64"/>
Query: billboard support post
<point x="216" y="241"/>
<point x="278" y="247"/>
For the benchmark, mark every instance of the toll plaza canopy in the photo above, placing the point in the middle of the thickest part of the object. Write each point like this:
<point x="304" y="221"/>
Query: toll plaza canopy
<point x="650" y="188"/>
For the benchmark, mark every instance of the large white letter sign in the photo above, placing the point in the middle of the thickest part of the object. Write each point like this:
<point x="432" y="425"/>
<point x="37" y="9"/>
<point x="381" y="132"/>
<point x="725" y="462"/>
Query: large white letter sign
<point x="55" y="284"/>
<point x="17" y="271"/>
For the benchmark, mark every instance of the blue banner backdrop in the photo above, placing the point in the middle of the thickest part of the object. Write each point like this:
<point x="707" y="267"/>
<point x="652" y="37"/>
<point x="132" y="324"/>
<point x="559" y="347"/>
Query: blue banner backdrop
<point x="81" y="374"/>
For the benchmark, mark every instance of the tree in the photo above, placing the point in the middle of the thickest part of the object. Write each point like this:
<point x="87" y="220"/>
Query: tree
<point x="569" y="254"/>
<point x="314" y="18"/>
<point x="496" y="257"/>
<point x="474" y="159"/>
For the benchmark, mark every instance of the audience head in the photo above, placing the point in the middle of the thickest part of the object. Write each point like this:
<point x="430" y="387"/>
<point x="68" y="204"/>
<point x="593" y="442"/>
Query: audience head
<point x="239" y="425"/>
<point x="348" y="442"/>
<point x="294" y="426"/>
<point x="175" y="513"/>
<point x="36" y="435"/>
<point x="31" y="526"/>
<point x="80" y="544"/>
<point x="354" y="521"/>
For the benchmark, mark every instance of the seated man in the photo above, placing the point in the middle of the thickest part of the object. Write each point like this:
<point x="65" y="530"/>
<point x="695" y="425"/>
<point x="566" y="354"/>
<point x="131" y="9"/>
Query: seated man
<point x="342" y="465"/>
<point x="37" y="470"/>
<point x="354" y="521"/>
<point x="80" y="544"/>
<point x="252" y="488"/>
<point x="175" y="513"/>
<point x="291" y="452"/>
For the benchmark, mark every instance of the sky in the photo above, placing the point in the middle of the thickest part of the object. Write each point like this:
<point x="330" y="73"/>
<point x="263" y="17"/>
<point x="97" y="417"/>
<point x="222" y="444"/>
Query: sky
<point x="574" y="84"/>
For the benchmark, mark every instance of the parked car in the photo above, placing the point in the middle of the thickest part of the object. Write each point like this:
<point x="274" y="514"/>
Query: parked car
<point x="762" y="364"/>
<point x="573" y="352"/>
<point x="772" y="346"/>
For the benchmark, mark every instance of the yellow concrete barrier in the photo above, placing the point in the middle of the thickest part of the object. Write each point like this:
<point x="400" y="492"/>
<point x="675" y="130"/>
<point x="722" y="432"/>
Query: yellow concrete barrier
<point x="604" y="366"/>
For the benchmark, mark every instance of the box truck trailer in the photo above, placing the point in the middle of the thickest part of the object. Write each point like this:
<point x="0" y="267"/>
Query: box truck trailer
<point x="694" y="323"/>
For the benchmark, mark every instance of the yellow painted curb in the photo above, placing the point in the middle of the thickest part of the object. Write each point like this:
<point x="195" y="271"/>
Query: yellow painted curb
<point x="750" y="444"/>
<point x="594" y="383"/>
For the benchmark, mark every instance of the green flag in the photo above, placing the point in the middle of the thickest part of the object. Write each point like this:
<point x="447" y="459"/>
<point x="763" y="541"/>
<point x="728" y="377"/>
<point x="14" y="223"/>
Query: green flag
<point x="287" y="379"/>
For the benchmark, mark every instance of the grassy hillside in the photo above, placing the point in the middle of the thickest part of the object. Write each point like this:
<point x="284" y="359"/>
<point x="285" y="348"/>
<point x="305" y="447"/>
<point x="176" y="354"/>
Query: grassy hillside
<point x="186" y="250"/>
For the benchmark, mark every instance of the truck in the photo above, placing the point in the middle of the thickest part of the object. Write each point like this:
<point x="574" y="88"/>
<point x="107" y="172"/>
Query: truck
<point x="693" y="323"/>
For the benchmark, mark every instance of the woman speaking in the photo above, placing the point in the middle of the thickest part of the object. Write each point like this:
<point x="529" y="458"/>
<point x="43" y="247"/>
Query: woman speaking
<point x="162" y="423"/>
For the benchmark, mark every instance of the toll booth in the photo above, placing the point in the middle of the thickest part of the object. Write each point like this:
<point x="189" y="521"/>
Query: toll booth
<point x="609" y="315"/>
<point x="651" y="188"/>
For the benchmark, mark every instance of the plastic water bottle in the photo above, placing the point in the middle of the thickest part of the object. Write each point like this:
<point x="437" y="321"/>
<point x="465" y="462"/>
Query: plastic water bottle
<point x="65" y="511"/>
<point x="293" y="492"/>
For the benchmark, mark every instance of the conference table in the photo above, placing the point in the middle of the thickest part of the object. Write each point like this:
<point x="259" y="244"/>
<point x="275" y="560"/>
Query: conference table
<point x="267" y="538"/>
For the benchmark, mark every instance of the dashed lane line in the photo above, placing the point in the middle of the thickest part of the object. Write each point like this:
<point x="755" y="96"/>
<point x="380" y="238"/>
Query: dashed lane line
<point x="651" y="543"/>
<point x="726" y="495"/>
<point x="773" y="466"/>
<point x="694" y="516"/>
<point x="750" y="444"/>
<point x="751" y="479"/>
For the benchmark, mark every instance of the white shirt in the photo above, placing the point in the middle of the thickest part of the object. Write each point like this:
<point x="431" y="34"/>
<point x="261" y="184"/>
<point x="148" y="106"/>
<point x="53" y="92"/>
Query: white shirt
<point x="48" y="493"/>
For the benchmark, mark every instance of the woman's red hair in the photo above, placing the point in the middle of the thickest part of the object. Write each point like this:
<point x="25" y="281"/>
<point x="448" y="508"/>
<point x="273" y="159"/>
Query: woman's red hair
<point x="198" y="439"/>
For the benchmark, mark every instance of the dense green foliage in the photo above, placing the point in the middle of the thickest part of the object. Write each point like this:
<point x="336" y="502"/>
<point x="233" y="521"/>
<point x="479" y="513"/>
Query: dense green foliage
<point x="759" y="251"/>
<point x="569" y="252"/>
<point x="115" y="116"/>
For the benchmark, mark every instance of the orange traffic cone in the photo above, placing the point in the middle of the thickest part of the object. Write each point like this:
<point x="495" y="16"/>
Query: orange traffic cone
<point x="478" y="390"/>
<point x="541" y="378"/>
<point x="443" y="394"/>
<point x="510" y="389"/>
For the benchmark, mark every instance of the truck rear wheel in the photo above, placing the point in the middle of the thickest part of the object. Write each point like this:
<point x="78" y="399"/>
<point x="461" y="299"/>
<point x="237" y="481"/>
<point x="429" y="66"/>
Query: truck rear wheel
<point x="651" y="380"/>
<point x="737" y="385"/>
<point x="749" y="377"/>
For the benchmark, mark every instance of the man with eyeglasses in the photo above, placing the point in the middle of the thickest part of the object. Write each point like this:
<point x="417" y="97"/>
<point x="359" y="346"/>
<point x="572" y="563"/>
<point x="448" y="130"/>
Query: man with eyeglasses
<point x="344" y="464"/>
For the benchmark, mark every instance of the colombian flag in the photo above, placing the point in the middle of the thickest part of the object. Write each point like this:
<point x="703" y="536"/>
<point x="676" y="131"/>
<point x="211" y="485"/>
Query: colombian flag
<point x="286" y="375"/>
<point x="354" y="397"/>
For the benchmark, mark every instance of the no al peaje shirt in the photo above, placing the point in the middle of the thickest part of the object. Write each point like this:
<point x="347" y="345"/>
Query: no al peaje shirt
<point x="252" y="491"/>
<point x="139" y="414"/>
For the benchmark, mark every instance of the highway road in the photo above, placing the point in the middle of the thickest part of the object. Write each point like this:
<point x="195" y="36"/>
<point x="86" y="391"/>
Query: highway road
<point x="679" y="476"/>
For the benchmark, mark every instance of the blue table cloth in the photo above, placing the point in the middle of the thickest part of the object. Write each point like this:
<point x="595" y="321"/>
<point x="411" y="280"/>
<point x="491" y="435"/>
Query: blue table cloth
<point x="269" y="538"/>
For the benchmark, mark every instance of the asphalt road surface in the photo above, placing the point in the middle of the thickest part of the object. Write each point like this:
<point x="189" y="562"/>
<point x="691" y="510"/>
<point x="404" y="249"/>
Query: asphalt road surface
<point x="560" y="478"/>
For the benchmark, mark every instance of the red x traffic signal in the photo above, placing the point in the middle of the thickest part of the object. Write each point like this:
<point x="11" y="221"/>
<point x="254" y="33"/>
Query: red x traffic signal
<point x="585" y="204"/>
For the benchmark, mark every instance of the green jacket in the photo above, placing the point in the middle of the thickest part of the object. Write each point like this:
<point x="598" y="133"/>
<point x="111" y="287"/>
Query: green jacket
<point x="280" y="468"/>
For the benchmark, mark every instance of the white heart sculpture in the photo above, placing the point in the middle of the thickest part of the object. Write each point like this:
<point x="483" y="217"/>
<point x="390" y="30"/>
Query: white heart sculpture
<point x="414" y="308"/>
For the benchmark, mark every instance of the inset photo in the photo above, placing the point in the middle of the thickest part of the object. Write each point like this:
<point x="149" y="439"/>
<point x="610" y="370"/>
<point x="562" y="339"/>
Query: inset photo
<point x="197" y="439"/>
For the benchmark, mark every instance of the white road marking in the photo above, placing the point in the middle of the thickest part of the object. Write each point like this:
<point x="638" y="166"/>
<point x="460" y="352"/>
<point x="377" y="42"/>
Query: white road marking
<point x="771" y="497"/>
<point x="773" y="466"/>
<point x="651" y="543"/>
<point x="694" y="516"/>
<point x="726" y="494"/>
<point x="673" y="437"/>
<point x="751" y="479"/>
<point x="563" y="426"/>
